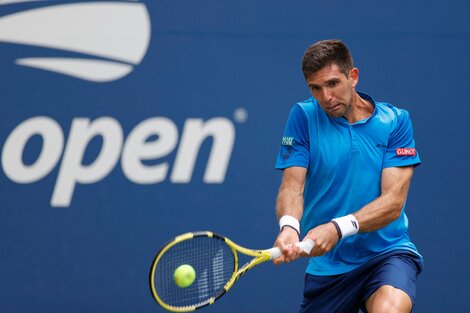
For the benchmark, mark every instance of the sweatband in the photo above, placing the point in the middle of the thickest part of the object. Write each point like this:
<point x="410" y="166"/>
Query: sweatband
<point x="346" y="225"/>
<point x="289" y="221"/>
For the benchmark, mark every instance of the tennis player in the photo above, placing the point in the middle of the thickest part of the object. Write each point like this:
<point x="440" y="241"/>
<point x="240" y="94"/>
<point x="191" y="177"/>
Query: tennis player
<point x="348" y="162"/>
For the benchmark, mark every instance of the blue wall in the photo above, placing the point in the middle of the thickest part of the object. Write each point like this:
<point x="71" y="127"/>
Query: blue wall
<point x="78" y="236"/>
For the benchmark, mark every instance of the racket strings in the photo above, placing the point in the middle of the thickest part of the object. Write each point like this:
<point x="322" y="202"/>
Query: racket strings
<point x="213" y="262"/>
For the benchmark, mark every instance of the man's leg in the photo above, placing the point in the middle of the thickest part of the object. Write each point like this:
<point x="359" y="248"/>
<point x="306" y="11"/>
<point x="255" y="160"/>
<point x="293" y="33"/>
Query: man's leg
<point x="330" y="294"/>
<point x="391" y="286"/>
<point x="388" y="299"/>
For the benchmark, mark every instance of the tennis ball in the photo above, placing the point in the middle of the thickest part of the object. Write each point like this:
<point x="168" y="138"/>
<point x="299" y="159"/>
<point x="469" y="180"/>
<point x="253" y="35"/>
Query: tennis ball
<point x="184" y="275"/>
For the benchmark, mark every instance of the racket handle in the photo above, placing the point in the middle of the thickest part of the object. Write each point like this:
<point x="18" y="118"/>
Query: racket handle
<point x="306" y="246"/>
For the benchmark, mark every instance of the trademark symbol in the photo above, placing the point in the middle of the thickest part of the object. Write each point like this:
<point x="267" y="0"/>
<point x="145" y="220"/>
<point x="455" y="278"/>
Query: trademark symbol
<point x="240" y="115"/>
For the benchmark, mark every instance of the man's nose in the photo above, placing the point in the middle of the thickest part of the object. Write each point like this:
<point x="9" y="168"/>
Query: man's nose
<point x="327" y="95"/>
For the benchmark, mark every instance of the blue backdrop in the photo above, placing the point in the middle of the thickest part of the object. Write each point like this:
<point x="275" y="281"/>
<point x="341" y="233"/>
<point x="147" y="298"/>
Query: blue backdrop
<point x="106" y="106"/>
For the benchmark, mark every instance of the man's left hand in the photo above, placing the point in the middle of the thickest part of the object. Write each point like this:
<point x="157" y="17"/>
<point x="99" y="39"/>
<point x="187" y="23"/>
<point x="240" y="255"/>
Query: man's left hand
<point x="325" y="237"/>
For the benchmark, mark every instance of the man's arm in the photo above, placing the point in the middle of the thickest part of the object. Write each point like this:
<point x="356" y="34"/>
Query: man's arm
<point x="290" y="201"/>
<point x="386" y="208"/>
<point x="375" y="215"/>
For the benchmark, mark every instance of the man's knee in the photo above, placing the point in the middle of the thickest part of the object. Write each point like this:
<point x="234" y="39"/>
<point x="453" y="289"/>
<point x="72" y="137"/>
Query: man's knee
<point x="388" y="299"/>
<point x="388" y="306"/>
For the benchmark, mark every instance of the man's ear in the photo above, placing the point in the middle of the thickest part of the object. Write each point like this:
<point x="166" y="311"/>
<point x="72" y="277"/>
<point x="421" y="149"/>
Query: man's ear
<point x="354" y="76"/>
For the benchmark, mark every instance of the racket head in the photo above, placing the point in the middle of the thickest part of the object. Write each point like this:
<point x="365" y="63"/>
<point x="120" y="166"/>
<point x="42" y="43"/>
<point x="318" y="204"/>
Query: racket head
<point x="214" y="261"/>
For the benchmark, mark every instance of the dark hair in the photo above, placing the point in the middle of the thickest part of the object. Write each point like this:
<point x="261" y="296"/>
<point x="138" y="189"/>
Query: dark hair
<point x="324" y="53"/>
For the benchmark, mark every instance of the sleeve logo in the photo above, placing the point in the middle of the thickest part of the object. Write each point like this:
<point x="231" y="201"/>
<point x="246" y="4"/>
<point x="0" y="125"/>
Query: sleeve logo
<point x="287" y="141"/>
<point x="406" y="151"/>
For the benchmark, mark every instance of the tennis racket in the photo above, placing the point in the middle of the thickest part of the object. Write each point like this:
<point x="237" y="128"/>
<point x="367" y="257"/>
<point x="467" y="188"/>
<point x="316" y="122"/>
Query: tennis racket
<point x="214" y="259"/>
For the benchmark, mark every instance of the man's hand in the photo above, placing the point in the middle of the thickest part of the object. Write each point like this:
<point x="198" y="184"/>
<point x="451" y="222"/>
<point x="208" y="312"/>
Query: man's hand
<point x="324" y="237"/>
<point x="286" y="242"/>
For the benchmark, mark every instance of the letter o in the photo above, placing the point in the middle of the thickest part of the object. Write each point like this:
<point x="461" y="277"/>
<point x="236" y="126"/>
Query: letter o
<point x="12" y="153"/>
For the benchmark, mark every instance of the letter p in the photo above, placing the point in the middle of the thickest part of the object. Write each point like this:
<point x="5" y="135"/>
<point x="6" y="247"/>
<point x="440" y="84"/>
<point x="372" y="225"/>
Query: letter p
<point x="72" y="170"/>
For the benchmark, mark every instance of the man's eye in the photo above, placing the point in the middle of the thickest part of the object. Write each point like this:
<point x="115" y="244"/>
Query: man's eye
<point x="332" y="84"/>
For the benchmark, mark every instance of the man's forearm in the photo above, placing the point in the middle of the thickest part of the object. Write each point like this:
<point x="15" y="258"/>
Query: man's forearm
<point x="379" y="213"/>
<point x="289" y="202"/>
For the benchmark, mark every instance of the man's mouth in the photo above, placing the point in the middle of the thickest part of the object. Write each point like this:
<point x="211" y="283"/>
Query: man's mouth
<point x="334" y="107"/>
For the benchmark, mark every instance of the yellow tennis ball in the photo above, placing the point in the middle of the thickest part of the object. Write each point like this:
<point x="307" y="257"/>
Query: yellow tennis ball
<point x="184" y="275"/>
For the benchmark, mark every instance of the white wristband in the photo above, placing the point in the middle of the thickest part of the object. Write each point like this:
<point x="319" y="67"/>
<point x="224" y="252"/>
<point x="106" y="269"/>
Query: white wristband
<point x="348" y="225"/>
<point x="290" y="221"/>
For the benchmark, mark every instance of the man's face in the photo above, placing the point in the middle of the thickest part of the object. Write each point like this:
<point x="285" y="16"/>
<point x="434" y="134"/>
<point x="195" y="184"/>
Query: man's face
<point x="333" y="90"/>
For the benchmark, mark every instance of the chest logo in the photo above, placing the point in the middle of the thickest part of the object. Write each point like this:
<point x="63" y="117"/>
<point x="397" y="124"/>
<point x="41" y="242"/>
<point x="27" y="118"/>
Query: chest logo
<point x="406" y="151"/>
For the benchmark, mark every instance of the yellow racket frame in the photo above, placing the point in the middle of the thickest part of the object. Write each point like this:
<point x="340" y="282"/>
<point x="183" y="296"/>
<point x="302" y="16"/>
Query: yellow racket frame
<point x="260" y="256"/>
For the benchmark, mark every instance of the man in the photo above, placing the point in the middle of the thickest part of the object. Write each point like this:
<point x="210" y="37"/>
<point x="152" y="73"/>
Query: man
<point x="348" y="162"/>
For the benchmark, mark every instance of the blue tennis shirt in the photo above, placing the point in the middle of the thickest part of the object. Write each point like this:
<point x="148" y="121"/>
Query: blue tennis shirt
<point x="344" y="163"/>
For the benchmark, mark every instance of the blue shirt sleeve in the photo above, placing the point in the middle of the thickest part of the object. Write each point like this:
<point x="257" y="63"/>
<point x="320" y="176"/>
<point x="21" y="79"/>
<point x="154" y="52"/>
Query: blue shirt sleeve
<point x="295" y="146"/>
<point x="401" y="149"/>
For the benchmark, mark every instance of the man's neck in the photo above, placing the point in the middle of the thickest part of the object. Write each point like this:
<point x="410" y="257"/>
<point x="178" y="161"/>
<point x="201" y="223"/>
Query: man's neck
<point x="359" y="110"/>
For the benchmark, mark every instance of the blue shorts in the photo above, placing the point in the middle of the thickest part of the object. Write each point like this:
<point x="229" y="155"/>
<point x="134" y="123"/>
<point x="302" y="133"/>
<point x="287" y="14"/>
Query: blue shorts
<point x="348" y="292"/>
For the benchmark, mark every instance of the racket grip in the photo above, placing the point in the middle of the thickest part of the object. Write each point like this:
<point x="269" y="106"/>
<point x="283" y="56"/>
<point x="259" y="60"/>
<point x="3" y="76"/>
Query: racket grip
<point x="306" y="246"/>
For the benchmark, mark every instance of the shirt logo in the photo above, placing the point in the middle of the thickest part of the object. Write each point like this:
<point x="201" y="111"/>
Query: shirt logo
<point x="94" y="41"/>
<point x="287" y="141"/>
<point x="406" y="151"/>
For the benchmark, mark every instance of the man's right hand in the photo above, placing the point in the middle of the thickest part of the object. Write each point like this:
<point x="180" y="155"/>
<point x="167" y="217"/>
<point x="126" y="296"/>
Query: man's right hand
<point x="286" y="241"/>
